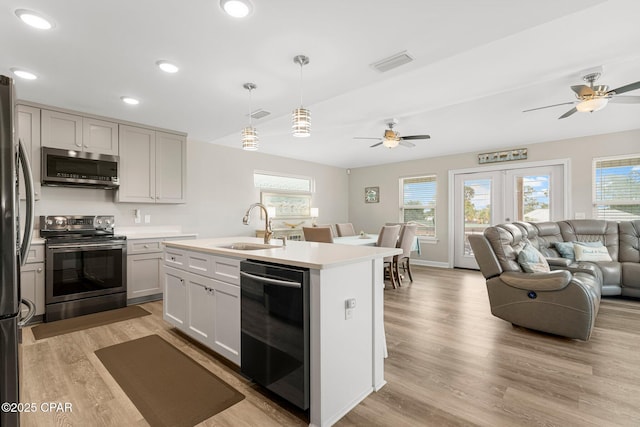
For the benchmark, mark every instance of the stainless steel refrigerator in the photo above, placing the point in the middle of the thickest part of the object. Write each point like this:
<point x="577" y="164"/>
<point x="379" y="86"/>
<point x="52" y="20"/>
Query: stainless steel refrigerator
<point x="14" y="246"/>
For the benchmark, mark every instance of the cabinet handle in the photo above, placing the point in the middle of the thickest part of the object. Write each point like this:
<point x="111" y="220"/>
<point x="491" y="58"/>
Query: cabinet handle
<point x="173" y="258"/>
<point x="182" y="281"/>
<point x="86" y="146"/>
<point x="146" y="246"/>
<point x="39" y="270"/>
<point x="78" y="145"/>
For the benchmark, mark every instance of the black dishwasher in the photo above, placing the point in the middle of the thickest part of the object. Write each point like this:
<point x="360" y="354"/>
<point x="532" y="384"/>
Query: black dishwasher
<point x="275" y="328"/>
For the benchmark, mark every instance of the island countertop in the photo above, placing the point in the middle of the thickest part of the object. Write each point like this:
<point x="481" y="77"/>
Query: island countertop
<point x="301" y="254"/>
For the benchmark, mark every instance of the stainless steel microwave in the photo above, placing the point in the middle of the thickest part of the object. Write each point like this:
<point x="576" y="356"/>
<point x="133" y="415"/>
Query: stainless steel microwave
<point x="70" y="168"/>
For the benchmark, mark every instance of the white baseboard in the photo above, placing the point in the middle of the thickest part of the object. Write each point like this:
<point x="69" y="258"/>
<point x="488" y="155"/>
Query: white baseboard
<point x="425" y="263"/>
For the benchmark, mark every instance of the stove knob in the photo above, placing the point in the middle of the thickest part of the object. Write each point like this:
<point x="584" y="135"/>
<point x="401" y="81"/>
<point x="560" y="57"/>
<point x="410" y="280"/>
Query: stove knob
<point x="99" y="221"/>
<point x="108" y="222"/>
<point x="59" y="221"/>
<point x="49" y="222"/>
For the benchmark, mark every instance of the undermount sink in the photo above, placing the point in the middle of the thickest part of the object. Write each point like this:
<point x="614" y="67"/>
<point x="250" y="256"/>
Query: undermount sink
<point x="245" y="246"/>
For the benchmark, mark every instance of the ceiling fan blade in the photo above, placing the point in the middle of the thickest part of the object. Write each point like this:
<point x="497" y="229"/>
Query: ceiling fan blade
<point x="375" y="145"/>
<point x="625" y="88"/>
<point x="415" y="137"/>
<point x="583" y="90"/>
<point x="568" y="113"/>
<point x="406" y="143"/>
<point x="365" y="137"/>
<point x="549" y="106"/>
<point x="625" y="99"/>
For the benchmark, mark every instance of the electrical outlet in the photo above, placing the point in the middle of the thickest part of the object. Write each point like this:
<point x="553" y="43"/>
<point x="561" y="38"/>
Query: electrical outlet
<point x="147" y="219"/>
<point x="137" y="216"/>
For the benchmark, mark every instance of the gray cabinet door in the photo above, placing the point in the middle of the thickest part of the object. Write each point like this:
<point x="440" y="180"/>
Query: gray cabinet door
<point x="171" y="168"/>
<point x="137" y="165"/>
<point x="29" y="134"/>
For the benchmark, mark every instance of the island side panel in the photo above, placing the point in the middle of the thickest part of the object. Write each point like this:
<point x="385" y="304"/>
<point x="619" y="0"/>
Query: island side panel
<point x="343" y="350"/>
<point x="379" y="337"/>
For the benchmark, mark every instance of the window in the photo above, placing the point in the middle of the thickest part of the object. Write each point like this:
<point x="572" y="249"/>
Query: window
<point x="279" y="182"/>
<point x="616" y="188"/>
<point x="418" y="203"/>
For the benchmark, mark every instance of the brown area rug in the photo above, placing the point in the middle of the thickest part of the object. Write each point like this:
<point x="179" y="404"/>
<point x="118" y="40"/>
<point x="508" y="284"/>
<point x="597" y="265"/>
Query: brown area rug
<point x="87" y="321"/>
<point x="167" y="386"/>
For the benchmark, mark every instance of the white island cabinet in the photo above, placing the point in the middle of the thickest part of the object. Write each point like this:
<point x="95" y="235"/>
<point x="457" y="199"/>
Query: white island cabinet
<point x="346" y="349"/>
<point x="202" y="298"/>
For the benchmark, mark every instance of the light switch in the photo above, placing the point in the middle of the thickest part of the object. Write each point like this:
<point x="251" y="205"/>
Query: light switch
<point x="147" y="219"/>
<point x="349" y="306"/>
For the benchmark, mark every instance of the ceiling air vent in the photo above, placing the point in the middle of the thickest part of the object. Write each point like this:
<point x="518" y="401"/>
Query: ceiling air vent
<point x="392" y="62"/>
<point x="258" y="114"/>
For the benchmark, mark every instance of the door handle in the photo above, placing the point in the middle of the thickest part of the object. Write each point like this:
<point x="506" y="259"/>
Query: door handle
<point x="30" y="202"/>
<point x="32" y="310"/>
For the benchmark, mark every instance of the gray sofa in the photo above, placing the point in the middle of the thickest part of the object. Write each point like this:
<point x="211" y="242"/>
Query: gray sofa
<point x="565" y="300"/>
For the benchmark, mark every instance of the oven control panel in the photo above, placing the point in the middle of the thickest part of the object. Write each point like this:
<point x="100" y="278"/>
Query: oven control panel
<point x="77" y="224"/>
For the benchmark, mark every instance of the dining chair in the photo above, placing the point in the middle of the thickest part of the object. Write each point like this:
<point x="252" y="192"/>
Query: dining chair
<point x="388" y="238"/>
<point x="345" y="229"/>
<point x="317" y="234"/>
<point x="333" y="233"/>
<point x="405" y="242"/>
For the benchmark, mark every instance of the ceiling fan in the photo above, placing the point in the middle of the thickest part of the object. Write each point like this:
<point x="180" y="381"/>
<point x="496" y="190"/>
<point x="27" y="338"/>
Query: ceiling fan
<point x="593" y="98"/>
<point x="392" y="139"/>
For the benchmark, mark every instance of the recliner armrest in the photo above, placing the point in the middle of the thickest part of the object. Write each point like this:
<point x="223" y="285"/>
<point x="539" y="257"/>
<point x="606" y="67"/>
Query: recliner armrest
<point x="552" y="281"/>
<point x="558" y="262"/>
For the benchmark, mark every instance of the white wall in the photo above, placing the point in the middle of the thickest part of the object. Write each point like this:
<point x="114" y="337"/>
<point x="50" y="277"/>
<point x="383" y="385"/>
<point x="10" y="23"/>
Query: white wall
<point x="219" y="191"/>
<point x="581" y="151"/>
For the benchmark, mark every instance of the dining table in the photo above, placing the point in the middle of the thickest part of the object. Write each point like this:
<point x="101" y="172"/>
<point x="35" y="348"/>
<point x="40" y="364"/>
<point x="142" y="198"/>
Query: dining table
<point x="370" y="240"/>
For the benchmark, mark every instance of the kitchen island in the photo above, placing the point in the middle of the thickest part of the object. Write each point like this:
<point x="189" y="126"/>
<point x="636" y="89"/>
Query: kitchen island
<point x="347" y="349"/>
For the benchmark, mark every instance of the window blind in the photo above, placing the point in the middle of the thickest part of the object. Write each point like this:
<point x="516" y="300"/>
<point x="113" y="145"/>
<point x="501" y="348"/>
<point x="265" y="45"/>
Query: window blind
<point x="418" y="203"/>
<point x="617" y="188"/>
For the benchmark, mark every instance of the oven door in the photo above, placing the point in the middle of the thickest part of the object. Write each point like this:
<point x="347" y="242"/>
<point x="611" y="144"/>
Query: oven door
<point x="83" y="270"/>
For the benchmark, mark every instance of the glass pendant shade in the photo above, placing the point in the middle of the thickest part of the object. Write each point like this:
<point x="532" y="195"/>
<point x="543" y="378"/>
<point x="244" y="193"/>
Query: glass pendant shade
<point x="301" y="126"/>
<point x="250" y="139"/>
<point x="591" y="105"/>
<point x="301" y="117"/>
<point x="249" y="134"/>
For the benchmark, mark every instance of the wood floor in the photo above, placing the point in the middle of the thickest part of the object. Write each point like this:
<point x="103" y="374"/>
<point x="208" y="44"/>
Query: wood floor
<point x="450" y="364"/>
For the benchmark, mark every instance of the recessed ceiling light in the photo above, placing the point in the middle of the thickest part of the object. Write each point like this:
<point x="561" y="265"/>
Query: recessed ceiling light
<point x="236" y="8"/>
<point x="24" y="74"/>
<point x="34" y="19"/>
<point x="129" y="100"/>
<point x="167" y="66"/>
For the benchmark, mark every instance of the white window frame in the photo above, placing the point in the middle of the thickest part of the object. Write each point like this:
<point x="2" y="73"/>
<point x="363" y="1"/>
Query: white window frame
<point x="595" y="201"/>
<point x="401" y="218"/>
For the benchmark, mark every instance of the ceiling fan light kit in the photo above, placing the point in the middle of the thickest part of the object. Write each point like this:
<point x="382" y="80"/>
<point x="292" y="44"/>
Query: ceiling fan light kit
<point x="594" y="98"/>
<point x="301" y="117"/>
<point x="391" y="138"/>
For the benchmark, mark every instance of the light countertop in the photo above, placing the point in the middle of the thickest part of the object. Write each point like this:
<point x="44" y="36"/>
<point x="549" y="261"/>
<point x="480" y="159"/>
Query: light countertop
<point x="301" y="254"/>
<point x="136" y="233"/>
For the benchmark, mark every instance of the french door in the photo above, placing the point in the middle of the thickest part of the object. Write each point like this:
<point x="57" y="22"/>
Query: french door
<point x="487" y="198"/>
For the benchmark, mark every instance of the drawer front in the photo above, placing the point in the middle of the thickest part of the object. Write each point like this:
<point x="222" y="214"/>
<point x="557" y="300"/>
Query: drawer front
<point x="226" y="269"/>
<point x="143" y="246"/>
<point x="199" y="263"/>
<point x="175" y="257"/>
<point x="35" y="254"/>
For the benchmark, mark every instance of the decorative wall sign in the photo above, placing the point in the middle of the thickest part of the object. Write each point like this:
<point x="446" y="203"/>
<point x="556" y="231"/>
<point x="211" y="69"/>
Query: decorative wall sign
<point x="288" y="205"/>
<point x="371" y="194"/>
<point x="503" y="156"/>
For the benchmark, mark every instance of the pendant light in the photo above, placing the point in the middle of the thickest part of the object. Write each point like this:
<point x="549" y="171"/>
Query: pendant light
<point x="301" y="116"/>
<point x="249" y="134"/>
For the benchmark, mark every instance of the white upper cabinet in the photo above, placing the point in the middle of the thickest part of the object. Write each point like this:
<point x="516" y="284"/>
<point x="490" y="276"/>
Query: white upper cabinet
<point x="29" y="134"/>
<point x="73" y="132"/>
<point x="152" y="166"/>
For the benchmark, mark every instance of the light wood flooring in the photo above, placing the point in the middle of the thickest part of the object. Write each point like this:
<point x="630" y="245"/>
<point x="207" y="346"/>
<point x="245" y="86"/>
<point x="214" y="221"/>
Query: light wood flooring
<point x="451" y="363"/>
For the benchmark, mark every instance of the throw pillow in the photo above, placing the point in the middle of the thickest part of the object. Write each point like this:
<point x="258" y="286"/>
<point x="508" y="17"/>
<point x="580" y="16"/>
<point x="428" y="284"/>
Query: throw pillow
<point x="565" y="249"/>
<point x="591" y="253"/>
<point x="532" y="261"/>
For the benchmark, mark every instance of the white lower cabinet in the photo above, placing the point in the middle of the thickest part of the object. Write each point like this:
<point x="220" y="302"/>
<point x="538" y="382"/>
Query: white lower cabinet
<point x="144" y="268"/>
<point x="32" y="280"/>
<point x="202" y="307"/>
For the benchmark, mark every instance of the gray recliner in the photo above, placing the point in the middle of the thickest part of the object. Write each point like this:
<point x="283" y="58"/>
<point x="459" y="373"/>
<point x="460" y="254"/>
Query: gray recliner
<point x="559" y="302"/>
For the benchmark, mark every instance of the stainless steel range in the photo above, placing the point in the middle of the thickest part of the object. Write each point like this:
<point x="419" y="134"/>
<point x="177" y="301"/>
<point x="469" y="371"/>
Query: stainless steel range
<point x="85" y="263"/>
